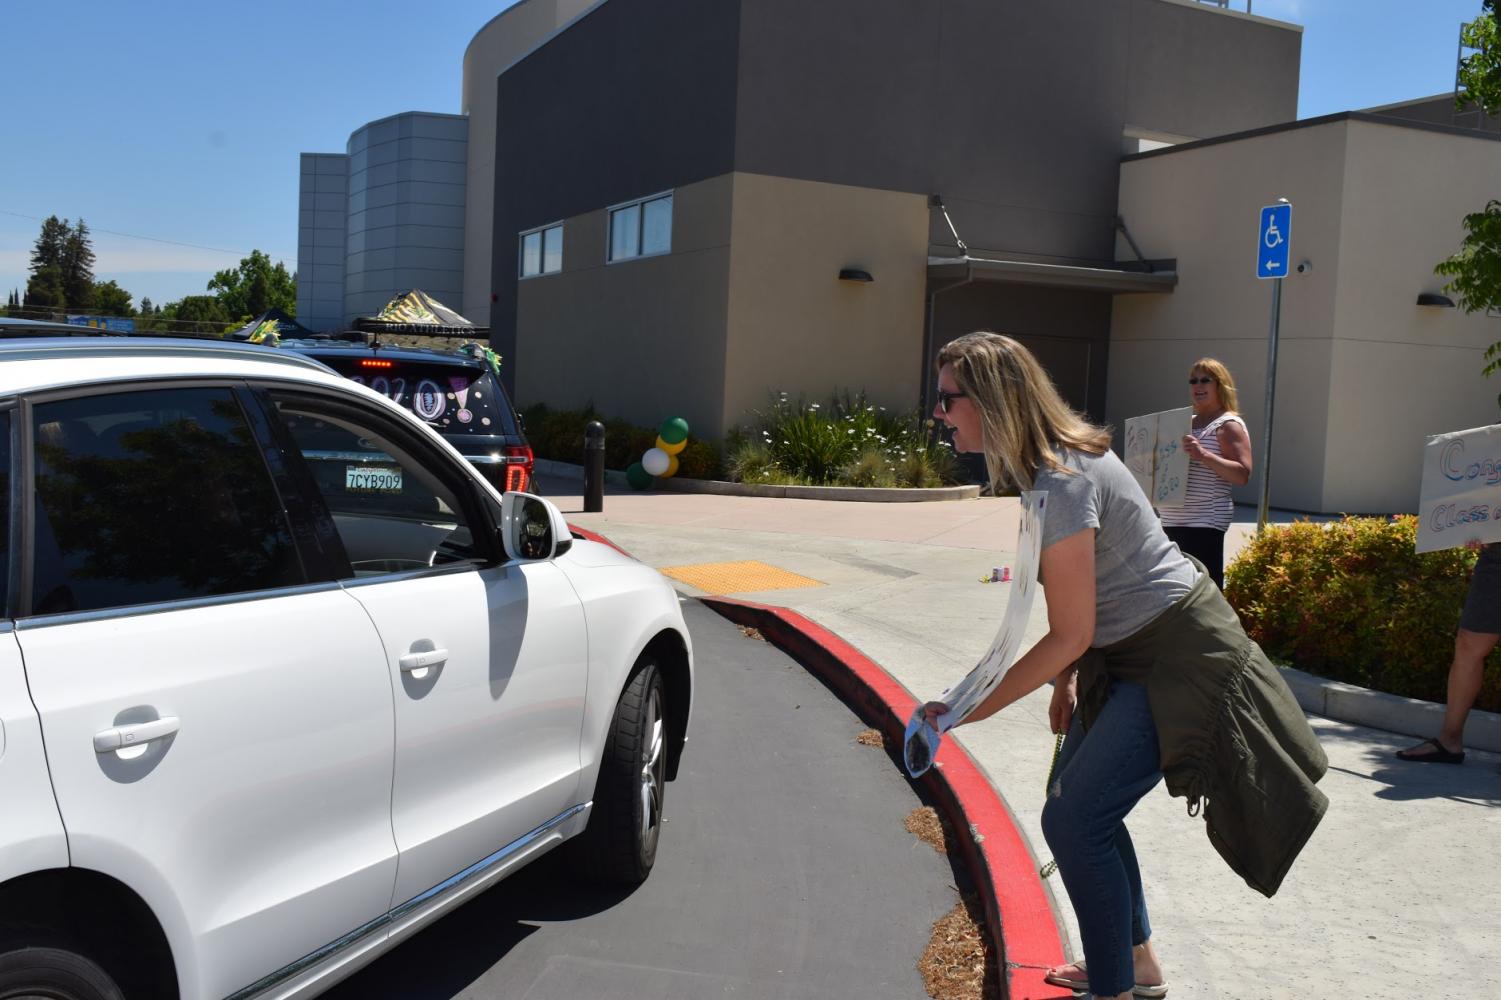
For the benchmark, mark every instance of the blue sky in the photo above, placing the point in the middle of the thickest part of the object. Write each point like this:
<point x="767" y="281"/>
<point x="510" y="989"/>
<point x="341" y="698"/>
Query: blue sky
<point x="183" y="120"/>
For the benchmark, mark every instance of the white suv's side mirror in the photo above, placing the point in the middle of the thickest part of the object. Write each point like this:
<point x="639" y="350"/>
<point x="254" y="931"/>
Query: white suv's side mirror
<point x="532" y="528"/>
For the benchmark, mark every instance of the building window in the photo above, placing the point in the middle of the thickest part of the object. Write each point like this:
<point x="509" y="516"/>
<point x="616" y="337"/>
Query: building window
<point x="641" y="228"/>
<point x="542" y="251"/>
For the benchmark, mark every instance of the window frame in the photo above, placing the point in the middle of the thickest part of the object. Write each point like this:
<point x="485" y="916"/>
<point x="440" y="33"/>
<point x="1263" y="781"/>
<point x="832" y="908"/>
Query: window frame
<point x="541" y="233"/>
<point x="639" y="204"/>
<point x="10" y="412"/>
<point x="23" y="504"/>
<point x="458" y="477"/>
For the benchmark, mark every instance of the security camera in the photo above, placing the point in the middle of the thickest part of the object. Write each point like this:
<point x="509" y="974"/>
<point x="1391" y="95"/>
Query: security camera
<point x="1304" y="266"/>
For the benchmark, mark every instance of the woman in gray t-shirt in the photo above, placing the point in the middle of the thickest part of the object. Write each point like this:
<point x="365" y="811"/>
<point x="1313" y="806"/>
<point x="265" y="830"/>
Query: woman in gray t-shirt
<point x="1107" y="569"/>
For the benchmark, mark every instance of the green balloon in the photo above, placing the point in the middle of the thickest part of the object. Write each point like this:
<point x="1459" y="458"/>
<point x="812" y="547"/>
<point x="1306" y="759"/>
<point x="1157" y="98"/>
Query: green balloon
<point x="674" y="431"/>
<point x="638" y="477"/>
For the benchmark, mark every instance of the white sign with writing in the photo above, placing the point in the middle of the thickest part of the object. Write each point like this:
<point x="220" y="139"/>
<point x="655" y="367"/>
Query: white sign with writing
<point x="921" y="741"/>
<point x="1461" y="498"/>
<point x="1155" y="455"/>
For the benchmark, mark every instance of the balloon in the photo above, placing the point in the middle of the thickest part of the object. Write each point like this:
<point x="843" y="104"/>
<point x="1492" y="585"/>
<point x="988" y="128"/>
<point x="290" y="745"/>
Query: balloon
<point x="671" y="449"/>
<point x="672" y="467"/>
<point x="638" y="477"/>
<point x="655" y="461"/>
<point x="674" y="430"/>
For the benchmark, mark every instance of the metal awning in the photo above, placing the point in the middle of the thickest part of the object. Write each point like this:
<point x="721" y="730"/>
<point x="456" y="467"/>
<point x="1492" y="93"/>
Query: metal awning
<point x="1021" y="272"/>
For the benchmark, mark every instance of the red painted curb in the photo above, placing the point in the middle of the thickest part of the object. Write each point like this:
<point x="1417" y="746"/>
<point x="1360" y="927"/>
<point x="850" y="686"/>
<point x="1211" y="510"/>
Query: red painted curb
<point x="1016" y="907"/>
<point x="601" y="539"/>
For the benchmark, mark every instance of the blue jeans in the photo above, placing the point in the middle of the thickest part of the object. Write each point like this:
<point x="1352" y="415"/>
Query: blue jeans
<point x="1100" y="777"/>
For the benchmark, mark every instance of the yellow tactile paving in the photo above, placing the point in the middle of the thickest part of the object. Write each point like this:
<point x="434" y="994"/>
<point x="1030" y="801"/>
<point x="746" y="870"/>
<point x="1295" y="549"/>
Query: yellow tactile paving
<point x="737" y="577"/>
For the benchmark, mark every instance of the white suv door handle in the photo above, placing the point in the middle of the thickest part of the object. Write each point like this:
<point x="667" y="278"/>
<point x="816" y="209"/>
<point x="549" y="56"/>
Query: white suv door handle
<point x="426" y="658"/>
<point x="135" y="734"/>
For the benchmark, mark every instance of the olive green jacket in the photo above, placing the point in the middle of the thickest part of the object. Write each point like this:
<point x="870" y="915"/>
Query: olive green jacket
<point x="1230" y="732"/>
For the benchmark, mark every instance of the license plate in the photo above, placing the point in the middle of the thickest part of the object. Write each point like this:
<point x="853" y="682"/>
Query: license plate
<point x="371" y="479"/>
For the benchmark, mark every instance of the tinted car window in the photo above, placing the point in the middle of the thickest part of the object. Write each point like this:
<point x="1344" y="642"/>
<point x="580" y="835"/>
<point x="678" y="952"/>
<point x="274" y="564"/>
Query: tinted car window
<point x="4" y="512"/>
<point x="152" y="496"/>
<point x="392" y="510"/>
<point x="455" y="399"/>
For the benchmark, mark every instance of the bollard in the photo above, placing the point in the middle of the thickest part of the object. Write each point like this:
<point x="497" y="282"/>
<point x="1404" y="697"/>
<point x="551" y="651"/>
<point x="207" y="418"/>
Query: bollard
<point x="594" y="467"/>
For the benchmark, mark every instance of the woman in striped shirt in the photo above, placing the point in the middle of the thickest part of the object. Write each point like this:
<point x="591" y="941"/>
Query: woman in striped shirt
<point x="1219" y="456"/>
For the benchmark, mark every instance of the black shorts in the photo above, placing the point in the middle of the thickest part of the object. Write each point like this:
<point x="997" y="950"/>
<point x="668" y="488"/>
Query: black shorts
<point x="1482" y="611"/>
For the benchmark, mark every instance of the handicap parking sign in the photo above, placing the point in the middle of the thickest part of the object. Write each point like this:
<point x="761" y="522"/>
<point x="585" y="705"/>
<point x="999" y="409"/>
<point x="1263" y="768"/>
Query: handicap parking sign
<point x="1274" y="240"/>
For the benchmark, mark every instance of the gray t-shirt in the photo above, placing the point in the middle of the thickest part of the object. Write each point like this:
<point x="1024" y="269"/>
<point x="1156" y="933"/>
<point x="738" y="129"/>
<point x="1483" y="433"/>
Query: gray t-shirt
<point x="1138" y="572"/>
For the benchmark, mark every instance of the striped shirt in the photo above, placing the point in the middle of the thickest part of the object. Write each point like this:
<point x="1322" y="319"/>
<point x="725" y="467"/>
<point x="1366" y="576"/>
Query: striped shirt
<point x="1207" y="503"/>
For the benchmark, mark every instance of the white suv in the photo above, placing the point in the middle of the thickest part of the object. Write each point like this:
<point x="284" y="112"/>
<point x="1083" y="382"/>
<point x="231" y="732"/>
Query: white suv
<point x="282" y="679"/>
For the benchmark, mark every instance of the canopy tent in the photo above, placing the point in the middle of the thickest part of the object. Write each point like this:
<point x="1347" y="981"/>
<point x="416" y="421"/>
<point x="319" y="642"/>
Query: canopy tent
<point x="417" y="312"/>
<point x="271" y="326"/>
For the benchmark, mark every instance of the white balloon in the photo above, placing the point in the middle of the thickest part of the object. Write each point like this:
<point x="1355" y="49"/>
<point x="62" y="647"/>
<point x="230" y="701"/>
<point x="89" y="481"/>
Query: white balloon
<point x="655" y="461"/>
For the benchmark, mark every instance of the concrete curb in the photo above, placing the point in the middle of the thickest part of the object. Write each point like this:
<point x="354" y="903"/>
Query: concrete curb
<point x="860" y="493"/>
<point x="1022" y="927"/>
<point x="1393" y="713"/>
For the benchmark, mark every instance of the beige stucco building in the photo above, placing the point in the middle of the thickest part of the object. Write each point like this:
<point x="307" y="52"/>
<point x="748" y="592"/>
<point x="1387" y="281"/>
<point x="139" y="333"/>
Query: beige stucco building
<point x="1364" y="373"/>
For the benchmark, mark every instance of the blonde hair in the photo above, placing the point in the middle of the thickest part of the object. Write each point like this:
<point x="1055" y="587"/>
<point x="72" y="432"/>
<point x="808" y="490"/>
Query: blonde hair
<point x="1216" y="370"/>
<point x="1025" y="424"/>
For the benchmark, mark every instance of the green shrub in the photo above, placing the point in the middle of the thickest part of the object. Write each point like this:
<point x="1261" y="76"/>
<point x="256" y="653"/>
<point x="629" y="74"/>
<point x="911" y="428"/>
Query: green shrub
<point x="1351" y="600"/>
<point x="871" y="467"/>
<point x="820" y="443"/>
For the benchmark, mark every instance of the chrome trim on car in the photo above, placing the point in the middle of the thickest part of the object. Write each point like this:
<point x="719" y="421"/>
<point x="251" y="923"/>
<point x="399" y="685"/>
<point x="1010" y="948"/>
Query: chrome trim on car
<point x="483" y="865"/>
<point x="449" y="885"/>
<point x="496" y="459"/>
<point x="411" y="574"/>
<point x="348" y="456"/>
<point x="161" y="607"/>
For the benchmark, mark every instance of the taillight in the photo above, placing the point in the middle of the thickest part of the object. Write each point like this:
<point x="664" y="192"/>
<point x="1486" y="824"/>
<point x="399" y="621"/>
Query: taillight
<point x="519" y="462"/>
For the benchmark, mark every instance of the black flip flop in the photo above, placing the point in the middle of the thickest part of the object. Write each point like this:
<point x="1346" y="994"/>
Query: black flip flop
<point x="1440" y="755"/>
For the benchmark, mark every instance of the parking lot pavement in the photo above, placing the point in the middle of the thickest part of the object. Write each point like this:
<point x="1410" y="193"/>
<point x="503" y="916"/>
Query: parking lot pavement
<point x="784" y="870"/>
<point x="1392" y="898"/>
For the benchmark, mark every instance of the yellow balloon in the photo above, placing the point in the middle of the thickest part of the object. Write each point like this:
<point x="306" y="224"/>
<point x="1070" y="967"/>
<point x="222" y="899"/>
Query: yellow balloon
<point x="672" y="466"/>
<point x="671" y="449"/>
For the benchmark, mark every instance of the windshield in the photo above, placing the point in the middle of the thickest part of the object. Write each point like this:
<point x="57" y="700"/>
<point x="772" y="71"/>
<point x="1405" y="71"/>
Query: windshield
<point x="455" y="399"/>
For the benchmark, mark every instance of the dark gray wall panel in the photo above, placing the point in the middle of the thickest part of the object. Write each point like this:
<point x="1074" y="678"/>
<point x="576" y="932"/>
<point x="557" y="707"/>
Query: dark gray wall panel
<point x="636" y="97"/>
<point x="1068" y="331"/>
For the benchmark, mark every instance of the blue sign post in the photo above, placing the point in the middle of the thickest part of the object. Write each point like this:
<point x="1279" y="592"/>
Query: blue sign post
<point x="1274" y="240"/>
<point x="1274" y="234"/>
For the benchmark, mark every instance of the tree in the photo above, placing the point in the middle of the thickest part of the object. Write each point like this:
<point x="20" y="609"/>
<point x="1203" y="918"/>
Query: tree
<point x="255" y="286"/>
<point x="1474" y="272"/>
<point x="196" y="314"/>
<point x="62" y="267"/>
<point x="50" y="244"/>
<point x="78" y="268"/>
<point x="111" y="300"/>
<point x="44" y="291"/>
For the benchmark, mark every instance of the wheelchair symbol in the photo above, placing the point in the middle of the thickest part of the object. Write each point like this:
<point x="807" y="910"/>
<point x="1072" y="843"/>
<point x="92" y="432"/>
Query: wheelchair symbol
<point x="1272" y="237"/>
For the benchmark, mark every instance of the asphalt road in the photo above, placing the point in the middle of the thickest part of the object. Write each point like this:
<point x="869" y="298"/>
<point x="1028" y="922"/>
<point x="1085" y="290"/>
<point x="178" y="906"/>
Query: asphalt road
<point x="784" y="870"/>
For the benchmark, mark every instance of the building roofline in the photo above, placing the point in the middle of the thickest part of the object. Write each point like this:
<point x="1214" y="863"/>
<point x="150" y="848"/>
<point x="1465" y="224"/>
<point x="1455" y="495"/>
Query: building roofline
<point x="403" y="114"/>
<point x="541" y="42"/>
<point x="1447" y="95"/>
<point x="1342" y="116"/>
<point x="1238" y="14"/>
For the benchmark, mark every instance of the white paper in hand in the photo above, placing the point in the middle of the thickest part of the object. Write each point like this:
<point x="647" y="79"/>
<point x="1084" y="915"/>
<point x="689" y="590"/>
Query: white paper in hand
<point x="922" y="740"/>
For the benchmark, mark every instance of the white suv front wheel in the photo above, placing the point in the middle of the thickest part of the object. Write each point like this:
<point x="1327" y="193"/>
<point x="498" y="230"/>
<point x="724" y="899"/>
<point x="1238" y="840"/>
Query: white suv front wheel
<point x="620" y="844"/>
<point x="53" y="974"/>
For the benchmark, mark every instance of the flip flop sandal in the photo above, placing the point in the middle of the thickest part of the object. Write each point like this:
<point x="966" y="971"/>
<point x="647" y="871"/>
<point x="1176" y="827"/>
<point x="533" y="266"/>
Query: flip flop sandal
<point x="1082" y="985"/>
<point x="1439" y="755"/>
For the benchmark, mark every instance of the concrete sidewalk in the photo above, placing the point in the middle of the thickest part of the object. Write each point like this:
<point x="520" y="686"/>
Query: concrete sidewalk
<point x="1393" y="897"/>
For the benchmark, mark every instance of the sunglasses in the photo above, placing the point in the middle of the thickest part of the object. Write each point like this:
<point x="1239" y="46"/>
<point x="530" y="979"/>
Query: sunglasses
<point x="1202" y="380"/>
<point x="944" y="398"/>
